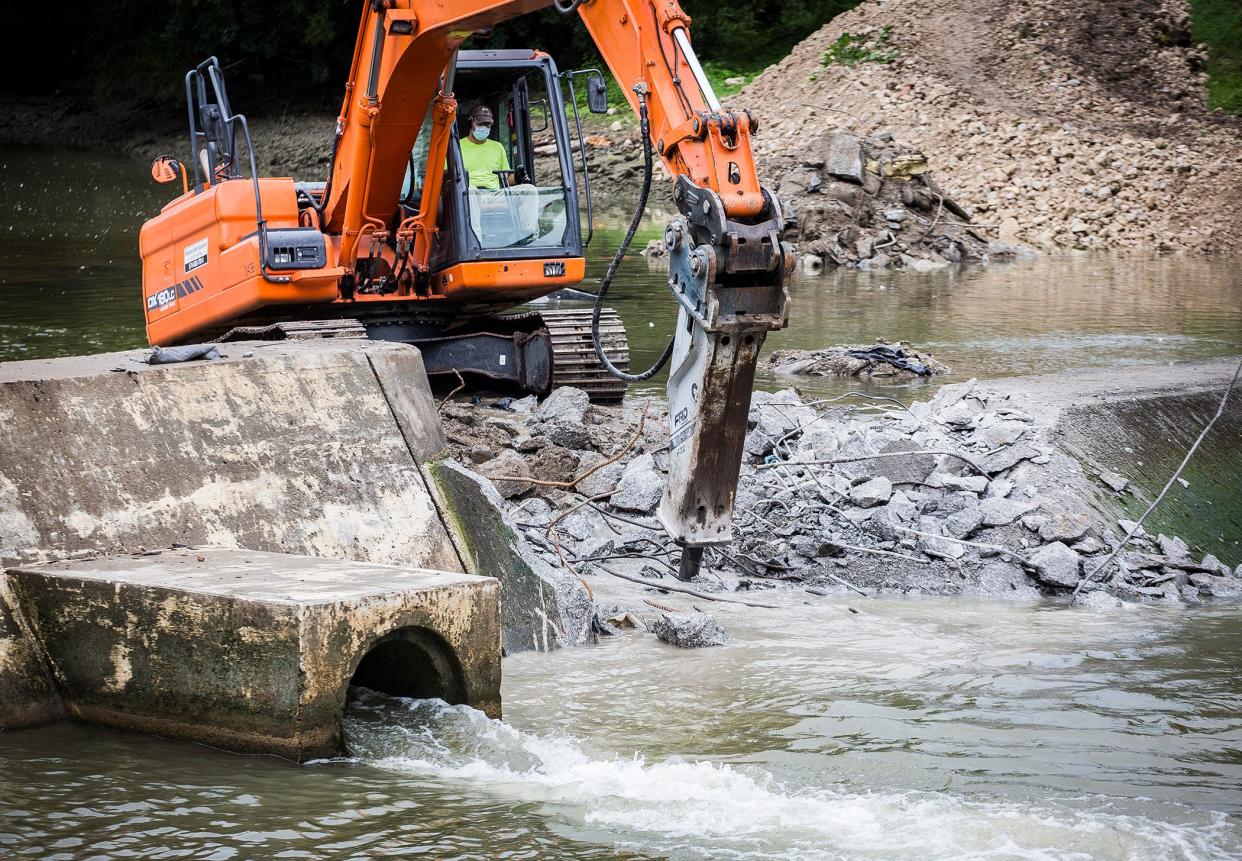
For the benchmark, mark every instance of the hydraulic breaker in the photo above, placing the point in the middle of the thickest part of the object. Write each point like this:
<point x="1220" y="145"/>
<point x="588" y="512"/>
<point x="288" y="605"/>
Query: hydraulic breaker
<point x="731" y="281"/>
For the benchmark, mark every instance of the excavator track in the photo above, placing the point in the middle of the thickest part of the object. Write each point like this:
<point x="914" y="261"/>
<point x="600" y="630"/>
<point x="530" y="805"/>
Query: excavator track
<point x="574" y="362"/>
<point x="573" y="358"/>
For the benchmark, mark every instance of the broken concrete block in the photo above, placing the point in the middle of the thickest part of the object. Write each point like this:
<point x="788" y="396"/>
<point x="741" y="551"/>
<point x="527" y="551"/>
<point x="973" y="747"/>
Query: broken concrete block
<point x="1007" y="458"/>
<point x="555" y="463"/>
<point x="601" y="481"/>
<point x="1218" y="587"/>
<point x="1213" y="565"/>
<point x="872" y="493"/>
<point x="1000" y="487"/>
<point x="689" y="630"/>
<point x="1005" y="580"/>
<point x="1099" y="600"/>
<point x="962" y="524"/>
<point x="970" y="483"/>
<point x="1056" y="565"/>
<point x="844" y="158"/>
<point x="1001" y="512"/>
<point x="905" y="470"/>
<point x="1090" y="545"/>
<point x="938" y="547"/>
<point x="1113" y="480"/>
<point x="1174" y="548"/>
<point x="1060" y="526"/>
<point x="999" y="433"/>
<point x="773" y="416"/>
<point x="544" y="605"/>
<point x="512" y="465"/>
<point x="641" y="486"/>
<point x="562" y="417"/>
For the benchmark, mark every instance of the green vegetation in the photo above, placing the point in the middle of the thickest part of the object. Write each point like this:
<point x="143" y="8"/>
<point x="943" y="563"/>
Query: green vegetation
<point x="717" y="74"/>
<point x="295" y="54"/>
<point x="736" y="37"/>
<point x="1218" y="24"/>
<point x="850" y="49"/>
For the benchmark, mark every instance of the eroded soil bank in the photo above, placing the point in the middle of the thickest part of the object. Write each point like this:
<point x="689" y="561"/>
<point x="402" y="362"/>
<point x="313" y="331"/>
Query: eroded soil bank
<point x="1060" y="124"/>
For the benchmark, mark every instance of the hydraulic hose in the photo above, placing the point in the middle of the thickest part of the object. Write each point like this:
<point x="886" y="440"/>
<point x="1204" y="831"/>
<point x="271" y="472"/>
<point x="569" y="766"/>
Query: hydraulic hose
<point x="567" y="7"/>
<point x="645" y="122"/>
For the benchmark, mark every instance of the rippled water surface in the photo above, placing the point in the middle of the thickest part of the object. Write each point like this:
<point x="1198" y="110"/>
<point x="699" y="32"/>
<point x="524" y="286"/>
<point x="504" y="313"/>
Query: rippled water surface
<point x="912" y="729"/>
<point x="69" y="283"/>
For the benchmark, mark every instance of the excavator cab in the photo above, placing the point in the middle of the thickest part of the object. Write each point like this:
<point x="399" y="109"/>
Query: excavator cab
<point x="512" y="234"/>
<point x="528" y="211"/>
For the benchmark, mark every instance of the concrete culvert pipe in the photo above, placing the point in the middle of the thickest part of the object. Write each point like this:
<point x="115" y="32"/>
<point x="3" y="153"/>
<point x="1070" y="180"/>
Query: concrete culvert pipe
<point x="412" y="662"/>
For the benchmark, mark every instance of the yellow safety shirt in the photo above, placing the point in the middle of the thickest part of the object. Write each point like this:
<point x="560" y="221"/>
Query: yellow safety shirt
<point x="481" y="160"/>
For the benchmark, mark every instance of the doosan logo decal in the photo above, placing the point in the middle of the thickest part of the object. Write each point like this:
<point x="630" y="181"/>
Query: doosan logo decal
<point x="161" y="300"/>
<point x="554" y="269"/>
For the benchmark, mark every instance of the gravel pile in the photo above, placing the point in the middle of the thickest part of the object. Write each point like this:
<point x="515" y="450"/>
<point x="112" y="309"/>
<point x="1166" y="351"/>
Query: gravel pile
<point x="1057" y="124"/>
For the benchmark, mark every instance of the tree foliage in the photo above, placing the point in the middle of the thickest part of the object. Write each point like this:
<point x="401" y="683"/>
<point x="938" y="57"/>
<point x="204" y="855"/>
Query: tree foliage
<point x="746" y="35"/>
<point x="1218" y="24"/>
<point x="295" y="53"/>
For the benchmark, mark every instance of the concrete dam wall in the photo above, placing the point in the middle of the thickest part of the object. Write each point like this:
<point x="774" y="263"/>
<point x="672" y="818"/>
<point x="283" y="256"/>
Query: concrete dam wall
<point x="1139" y="423"/>
<point x="318" y="450"/>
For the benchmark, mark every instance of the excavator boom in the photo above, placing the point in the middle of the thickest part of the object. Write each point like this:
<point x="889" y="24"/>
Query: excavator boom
<point x="404" y="56"/>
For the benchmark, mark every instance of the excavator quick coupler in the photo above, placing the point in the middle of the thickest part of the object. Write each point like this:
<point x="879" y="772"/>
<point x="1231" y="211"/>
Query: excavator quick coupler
<point x="732" y="283"/>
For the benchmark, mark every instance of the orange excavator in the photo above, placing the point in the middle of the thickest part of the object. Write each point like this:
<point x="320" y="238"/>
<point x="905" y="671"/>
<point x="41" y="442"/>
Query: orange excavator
<point x="410" y="240"/>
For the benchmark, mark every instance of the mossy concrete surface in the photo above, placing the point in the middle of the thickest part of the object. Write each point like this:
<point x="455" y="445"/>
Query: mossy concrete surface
<point x="1139" y="422"/>
<point x="540" y="607"/>
<point x="310" y="448"/>
<point x="255" y="651"/>
<point x="27" y="695"/>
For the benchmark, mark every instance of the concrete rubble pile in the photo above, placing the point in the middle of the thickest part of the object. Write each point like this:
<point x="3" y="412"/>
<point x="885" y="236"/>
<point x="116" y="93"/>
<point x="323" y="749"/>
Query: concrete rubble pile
<point x="962" y="494"/>
<point x="871" y="203"/>
<point x="880" y="362"/>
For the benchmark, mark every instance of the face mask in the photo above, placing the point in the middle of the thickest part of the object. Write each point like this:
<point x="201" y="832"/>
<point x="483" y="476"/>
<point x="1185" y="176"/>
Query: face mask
<point x="481" y="132"/>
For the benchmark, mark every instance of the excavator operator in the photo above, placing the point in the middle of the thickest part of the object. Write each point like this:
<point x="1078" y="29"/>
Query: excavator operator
<point x="483" y="158"/>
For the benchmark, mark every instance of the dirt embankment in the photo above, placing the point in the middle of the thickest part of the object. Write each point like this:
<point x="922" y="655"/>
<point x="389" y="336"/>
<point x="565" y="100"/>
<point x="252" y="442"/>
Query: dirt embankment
<point x="1061" y="124"/>
<point x="1058" y="124"/>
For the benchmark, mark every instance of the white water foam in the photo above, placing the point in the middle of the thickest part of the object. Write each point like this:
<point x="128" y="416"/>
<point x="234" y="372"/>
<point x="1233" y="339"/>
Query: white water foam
<point x="704" y="809"/>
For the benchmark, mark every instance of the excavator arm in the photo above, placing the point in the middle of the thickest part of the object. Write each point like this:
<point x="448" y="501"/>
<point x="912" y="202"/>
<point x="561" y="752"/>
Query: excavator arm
<point x="728" y="266"/>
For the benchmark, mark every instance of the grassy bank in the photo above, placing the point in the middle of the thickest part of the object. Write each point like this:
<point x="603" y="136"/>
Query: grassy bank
<point x="1218" y="24"/>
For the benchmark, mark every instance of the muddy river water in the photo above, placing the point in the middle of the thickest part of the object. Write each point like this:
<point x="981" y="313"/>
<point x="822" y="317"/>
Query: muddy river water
<point x="912" y="729"/>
